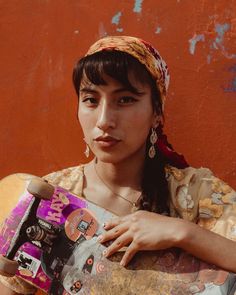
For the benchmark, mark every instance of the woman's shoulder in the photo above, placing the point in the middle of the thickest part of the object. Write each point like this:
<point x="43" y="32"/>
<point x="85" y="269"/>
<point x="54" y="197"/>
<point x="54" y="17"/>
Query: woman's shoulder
<point x="185" y="175"/>
<point x="185" y="187"/>
<point x="197" y="194"/>
<point x="69" y="178"/>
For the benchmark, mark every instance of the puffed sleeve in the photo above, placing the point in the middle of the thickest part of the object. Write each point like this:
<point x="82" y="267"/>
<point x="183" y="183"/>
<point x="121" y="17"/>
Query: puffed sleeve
<point x="217" y="207"/>
<point x="199" y="196"/>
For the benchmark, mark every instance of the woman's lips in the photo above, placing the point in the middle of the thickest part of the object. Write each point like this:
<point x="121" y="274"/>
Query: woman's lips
<point x="107" y="141"/>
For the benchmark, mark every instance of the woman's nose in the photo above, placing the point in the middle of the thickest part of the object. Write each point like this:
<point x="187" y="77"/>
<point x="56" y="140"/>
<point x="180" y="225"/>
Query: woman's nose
<point x="106" y="117"/>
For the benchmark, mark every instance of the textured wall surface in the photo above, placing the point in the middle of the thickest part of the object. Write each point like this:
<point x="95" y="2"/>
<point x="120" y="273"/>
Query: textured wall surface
<point x="42" y="39"/>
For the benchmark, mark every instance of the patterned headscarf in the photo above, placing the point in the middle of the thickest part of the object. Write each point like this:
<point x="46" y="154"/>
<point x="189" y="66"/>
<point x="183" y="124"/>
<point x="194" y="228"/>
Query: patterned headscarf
<point x="141" y="50"/>
<point x="154" y="63"/>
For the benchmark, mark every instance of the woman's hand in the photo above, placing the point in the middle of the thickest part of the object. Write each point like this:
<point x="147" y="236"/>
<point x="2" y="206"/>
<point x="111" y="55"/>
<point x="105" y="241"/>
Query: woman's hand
<point x="141" y="230"/>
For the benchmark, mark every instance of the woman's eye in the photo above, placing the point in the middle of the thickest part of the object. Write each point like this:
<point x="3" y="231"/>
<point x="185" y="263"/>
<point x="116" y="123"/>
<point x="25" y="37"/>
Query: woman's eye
<point x="89" y="100"/>
<point x="127" y="100"/>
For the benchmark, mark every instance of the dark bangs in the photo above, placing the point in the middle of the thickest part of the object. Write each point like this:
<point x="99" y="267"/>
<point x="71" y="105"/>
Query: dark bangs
<point x="117" y="65"/>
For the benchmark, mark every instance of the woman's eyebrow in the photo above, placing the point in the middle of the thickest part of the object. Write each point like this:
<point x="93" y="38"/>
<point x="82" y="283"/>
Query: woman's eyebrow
<point x="87" y="89"/>
<point x="118" y="90"/>
<point x="127" y="89"/>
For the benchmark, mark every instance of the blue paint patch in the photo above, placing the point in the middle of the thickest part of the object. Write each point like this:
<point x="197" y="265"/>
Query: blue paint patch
<point x="232" y="86"/>
<point x="233" y="68"/>
<point x="220" y="30"/>
<point x="116" y="18"/>
<point x="116" y="21"/>
<point x="194" y="41"/>
<point x="158" y="30"/>
<point x="218" y="42"/>
<point x="138" y="6"/>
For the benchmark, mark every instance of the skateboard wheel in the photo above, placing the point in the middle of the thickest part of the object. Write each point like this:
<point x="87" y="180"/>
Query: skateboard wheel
<point x="8" y="267"/>
<point x="40" y="189"/>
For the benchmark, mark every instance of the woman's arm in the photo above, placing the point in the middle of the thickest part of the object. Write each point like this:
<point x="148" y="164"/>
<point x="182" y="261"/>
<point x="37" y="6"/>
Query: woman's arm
<point x="150" y="231"/>
<point x="207" y="245"/>
<point x="7" y="291"/>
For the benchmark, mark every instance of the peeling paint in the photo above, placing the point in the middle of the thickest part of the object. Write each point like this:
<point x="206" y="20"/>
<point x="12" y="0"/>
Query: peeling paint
<point x="233" y="68"/>
<point x="195" y="39"/>
<point x="116" y="21"/>
<point x="214" y="44"/>
<point x="217" y="44"/>
<point x="138" y="6"/>
<point x="158" y="30"/>
<point x="220" y="30"/>
<point x="116" y="18"/>
<point x="120" y="30"/>
<point x="232" y="86"/>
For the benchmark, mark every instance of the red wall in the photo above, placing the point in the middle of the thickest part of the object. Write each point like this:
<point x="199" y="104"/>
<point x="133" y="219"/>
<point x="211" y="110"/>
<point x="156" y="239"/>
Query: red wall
<point x="41" y="40"/>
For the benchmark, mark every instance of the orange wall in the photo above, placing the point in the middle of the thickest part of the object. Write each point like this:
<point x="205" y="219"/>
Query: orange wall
<point x="40" y="41"/>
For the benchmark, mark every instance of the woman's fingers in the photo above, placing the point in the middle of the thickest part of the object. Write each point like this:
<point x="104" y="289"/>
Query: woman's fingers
<point x="129" y="254"/>
<point x="119" y="243"/>
<point x="112" y="234"/>
<point x="113" y="222"/>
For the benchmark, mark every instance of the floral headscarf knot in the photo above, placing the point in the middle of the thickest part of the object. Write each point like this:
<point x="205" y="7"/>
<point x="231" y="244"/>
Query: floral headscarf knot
<point x="141" y="50"/>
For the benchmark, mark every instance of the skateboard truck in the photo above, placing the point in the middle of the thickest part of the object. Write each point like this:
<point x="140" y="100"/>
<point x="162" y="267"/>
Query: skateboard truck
<point x="39" y="190"/>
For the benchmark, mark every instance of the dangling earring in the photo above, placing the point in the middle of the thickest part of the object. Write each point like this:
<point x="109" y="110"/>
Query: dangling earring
<point x="153" y="140"/>
<point x="87" y="150"/>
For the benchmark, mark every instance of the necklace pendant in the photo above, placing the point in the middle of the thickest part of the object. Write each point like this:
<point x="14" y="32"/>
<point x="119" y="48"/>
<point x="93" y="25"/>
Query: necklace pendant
<point x="134" y="208"/>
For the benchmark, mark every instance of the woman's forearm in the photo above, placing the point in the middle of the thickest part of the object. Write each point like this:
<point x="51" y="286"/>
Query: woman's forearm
<point x="207" y="245"/>
<point x="6" y="291"/>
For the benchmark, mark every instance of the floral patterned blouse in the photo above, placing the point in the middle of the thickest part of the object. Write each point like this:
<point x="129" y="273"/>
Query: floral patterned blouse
<point x="196" y="195"/>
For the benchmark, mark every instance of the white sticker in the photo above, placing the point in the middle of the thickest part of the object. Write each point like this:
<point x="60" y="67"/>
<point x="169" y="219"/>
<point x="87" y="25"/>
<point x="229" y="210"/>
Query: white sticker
<point x="29" y="265"/>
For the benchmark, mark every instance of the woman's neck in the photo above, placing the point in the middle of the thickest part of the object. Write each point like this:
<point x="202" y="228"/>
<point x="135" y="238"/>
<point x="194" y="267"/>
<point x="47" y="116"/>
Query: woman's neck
<point x="114" y="186"/>
<point x="127" y="173"/>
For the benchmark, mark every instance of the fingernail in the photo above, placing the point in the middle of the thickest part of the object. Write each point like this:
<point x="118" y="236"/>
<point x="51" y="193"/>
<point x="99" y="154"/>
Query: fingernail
<point x="99" y="238"/>
<point x="104" y="252"/>
<point x="122" y="263"/>
<point x="104" y="224"/>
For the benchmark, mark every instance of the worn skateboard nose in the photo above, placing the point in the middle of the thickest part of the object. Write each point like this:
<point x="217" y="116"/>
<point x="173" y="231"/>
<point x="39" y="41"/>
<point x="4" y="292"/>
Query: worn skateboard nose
<point x="40" y="189"/>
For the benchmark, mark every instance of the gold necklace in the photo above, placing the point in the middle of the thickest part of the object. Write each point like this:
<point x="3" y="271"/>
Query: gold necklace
<point x="134" y="204"/>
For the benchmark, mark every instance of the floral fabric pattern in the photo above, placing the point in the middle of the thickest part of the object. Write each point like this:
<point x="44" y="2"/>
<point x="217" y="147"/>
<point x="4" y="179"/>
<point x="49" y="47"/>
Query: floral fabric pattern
<point x="198" y="196"/>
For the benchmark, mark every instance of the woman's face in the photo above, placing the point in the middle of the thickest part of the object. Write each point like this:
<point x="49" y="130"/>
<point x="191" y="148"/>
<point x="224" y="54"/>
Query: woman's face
<point x="116" y="121"/>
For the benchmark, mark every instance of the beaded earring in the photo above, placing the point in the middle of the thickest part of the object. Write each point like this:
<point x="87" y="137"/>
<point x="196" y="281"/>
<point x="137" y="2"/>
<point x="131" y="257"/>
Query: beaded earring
<point x="153" y="140"/>
<point x="87" y="150"/>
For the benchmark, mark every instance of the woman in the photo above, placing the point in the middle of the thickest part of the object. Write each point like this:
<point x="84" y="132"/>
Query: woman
<point x="161" y="202"/>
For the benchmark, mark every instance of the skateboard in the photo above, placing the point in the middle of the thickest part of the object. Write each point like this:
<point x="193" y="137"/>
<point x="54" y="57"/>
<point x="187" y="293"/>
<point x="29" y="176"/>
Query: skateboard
<point x="50" y="240"/>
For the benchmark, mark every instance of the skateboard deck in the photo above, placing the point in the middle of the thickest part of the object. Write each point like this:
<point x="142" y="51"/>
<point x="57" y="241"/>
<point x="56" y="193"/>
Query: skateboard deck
<point x="55" y="244"/>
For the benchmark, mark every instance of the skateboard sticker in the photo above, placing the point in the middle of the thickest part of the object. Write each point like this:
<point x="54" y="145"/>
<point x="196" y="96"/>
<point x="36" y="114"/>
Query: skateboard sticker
<point x="29" y="265"/>
<point x="64" y="199"/>
<point x="100" y="267"/>
<point x="76" y="287"/>
<point x="88" y="266"/>
<point x="80" y="222"/>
